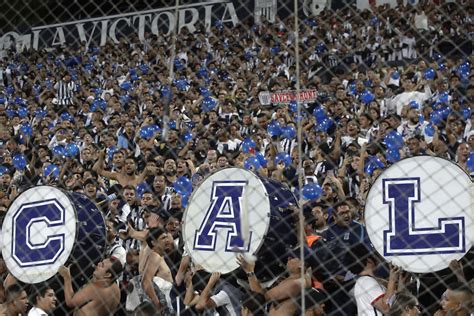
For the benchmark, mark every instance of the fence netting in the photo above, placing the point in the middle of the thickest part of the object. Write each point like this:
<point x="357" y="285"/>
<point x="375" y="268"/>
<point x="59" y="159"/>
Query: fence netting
<point x="236" y="157"/>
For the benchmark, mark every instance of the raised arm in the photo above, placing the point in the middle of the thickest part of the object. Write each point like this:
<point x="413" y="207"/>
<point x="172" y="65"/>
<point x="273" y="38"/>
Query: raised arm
<point x="249" y="268"/>
<point x="383" y="304"/>
<point x="204" y="299"/>
<point x="84" y="295"/>
<point x="99" y="168"/>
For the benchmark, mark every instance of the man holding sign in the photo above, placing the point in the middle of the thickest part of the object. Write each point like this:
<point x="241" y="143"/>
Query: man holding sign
<point x="421" y="219"/>
<point x="371" y="295"/>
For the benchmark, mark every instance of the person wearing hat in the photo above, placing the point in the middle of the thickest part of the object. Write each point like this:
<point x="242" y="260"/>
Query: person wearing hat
<point x="282" y="297"/>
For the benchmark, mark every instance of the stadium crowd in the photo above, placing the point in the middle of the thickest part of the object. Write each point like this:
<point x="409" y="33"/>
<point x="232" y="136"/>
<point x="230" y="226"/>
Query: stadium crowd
<point x="109" y="122"/>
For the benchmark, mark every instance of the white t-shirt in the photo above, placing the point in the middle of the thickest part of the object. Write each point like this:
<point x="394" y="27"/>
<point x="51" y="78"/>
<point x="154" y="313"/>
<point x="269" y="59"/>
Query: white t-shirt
<point x="222" y="299"/>
<point x="406" y="97"/>
<point x="228" y="297"/>
<point x="367" y="291"/>
<point x="35" y="311"/>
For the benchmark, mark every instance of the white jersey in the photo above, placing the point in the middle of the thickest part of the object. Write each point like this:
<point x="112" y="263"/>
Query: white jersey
<point x="367" y="291"/>
<point x="35" y="311"/>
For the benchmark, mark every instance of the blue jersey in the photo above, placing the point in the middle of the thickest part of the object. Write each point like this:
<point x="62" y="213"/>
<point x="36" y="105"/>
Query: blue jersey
<point x="339" y="240"/>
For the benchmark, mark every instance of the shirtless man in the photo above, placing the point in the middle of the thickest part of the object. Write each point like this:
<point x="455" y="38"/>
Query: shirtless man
<point x="101" y="296"/>
<point x="283" y="297"/>
<point x="152" y="265"/>
<point x="127" y="176"/>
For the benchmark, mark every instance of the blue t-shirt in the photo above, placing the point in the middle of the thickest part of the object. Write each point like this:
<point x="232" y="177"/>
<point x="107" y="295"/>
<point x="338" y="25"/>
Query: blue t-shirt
<point x="339" y="240"/>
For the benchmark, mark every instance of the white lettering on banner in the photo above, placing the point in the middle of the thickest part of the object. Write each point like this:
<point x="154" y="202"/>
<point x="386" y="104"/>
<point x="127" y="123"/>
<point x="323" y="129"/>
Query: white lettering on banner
<point x="113" y="27"/>
<point x="103" y="33"/>
<point x="207" y="17"/>
<point x="159" y="21"/>
<point x="35" y="39"/>
<point x="141" y="25"/>
<point x="189" y="25"/>
<point x="62" y="39"/>
<point x="365" y="4"/>
<point x="82" y="33"/>
<point x="154" y="23"/>
<point x="232" y="15"/>
<point x="286" y="97"/>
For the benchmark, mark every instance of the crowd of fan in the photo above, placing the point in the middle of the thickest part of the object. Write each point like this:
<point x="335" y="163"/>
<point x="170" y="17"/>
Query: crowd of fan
<point x="109" y="122"/>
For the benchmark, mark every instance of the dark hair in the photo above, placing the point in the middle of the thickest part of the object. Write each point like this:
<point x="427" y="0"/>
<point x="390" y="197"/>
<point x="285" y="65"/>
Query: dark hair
<point x="131" y="158"/>
<point x="153" y="235"/>
<point x="309" y="219"/>
<point x="91" y="181"/>
<point x="460" y="287"/>
<point x="356" y="258"/>
<point x="115" y="189"/>
<point x="352" y="200"/>
<point x="115" y="269"/>
<point x="117" y="152"/>
<point x="159" y="173"/>
<point x="38" y="290"/>
<point x="401" y="302"/>
<point x="13" y="291"/>
<point x="340" y="203"/>
<point x="222" y="155"/>
<point x="255" y="303"/>
<point x="367" y="116"/>
<point x="308" y="207"/>
<point x="93" y="173"/>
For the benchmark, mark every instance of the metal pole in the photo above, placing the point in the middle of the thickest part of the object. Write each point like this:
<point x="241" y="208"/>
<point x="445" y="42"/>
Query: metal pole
<point x="166" y="104"/>
<point x="300" y="157"/>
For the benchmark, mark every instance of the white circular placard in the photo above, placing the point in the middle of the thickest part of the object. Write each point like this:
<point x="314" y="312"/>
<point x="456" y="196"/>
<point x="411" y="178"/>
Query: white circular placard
<point x="419" y="215"/>
<point x="227" y="214"/>
<point x="39" y="231"/>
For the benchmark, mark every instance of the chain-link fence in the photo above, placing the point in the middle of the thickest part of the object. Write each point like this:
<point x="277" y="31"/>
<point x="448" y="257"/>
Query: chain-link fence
<point x="236" y="157"/>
